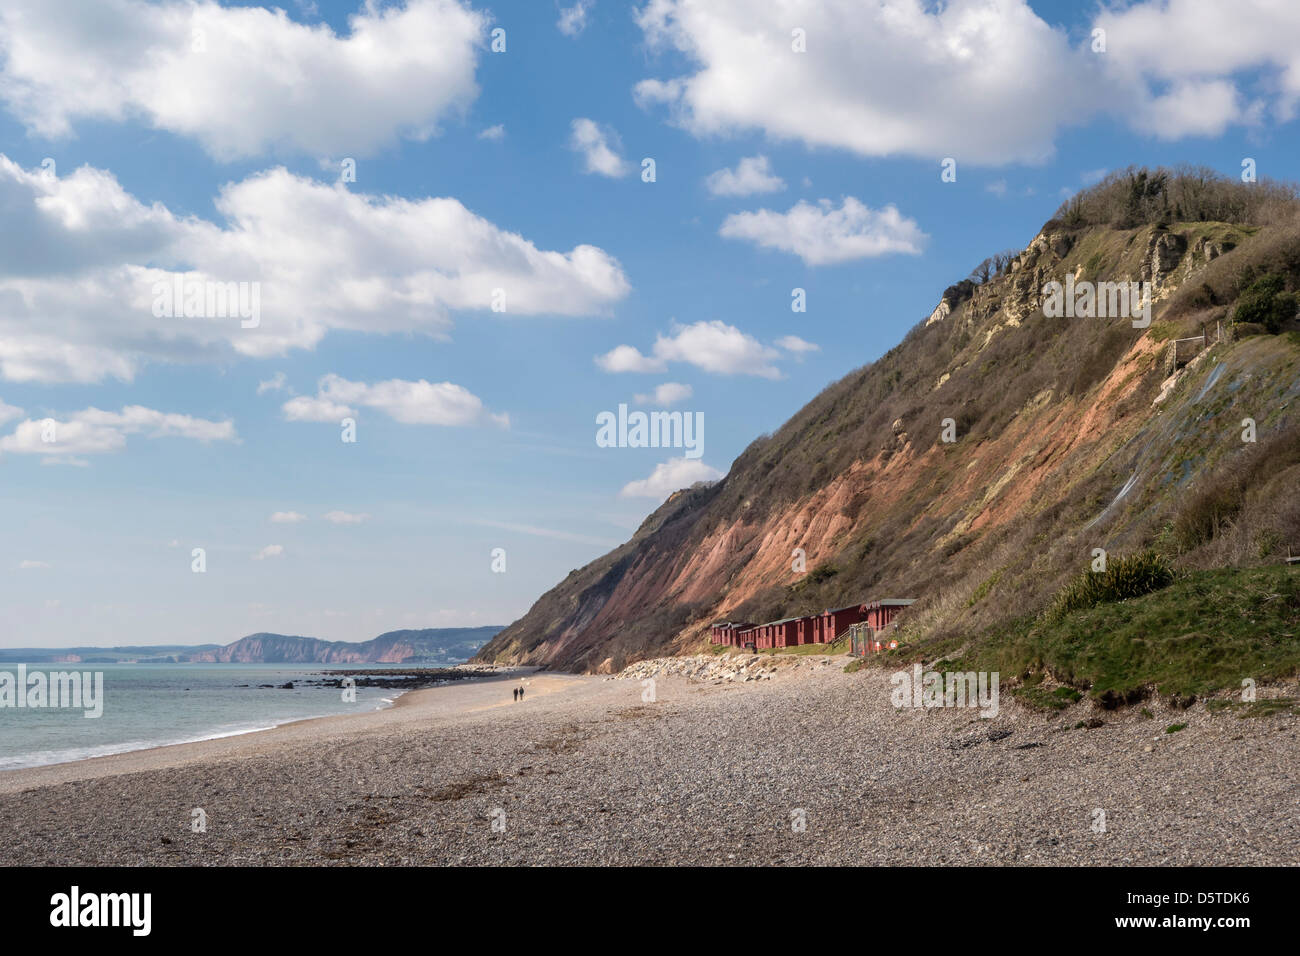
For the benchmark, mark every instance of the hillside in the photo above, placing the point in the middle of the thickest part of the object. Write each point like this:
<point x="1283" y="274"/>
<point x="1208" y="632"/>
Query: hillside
<point x="1070" y="434"/>
<point x="432" y="645"/>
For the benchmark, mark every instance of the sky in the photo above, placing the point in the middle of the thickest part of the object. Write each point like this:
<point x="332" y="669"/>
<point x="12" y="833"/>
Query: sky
<point x="469" y="231"/>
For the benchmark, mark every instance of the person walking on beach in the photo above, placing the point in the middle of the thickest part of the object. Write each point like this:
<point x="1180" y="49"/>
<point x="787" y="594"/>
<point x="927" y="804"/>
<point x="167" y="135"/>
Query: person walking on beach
<point x="521" y="693"/>
<point x="516" y="695"/>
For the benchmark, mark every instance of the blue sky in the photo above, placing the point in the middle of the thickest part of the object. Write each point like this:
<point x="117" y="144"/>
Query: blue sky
<point x="478" y="170"/>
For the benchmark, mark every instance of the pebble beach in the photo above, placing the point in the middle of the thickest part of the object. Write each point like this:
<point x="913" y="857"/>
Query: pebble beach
<point x="751" y="761"/>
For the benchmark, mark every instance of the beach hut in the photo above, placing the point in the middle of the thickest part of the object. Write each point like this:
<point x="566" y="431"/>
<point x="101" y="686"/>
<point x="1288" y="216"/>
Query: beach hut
<point x="836" y="622"/>
<point x="880" y="614"/>
<point x="878" y="618"/>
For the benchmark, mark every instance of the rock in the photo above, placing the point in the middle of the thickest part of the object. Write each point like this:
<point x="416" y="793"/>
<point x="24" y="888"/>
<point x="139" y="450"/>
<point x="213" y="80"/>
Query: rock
<point x="1164" y="252"/>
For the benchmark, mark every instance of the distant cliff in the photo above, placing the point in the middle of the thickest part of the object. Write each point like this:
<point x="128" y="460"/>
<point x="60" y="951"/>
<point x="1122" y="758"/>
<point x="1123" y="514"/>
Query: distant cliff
<point x="434" y="644"/>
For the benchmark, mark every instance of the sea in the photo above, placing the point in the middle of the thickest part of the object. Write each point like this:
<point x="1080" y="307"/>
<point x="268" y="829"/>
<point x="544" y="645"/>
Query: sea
<point x="151" y="705"/>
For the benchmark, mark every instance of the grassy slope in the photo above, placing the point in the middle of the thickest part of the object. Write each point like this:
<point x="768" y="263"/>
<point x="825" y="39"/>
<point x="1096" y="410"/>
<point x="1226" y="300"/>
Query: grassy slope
<point x="1204" y="633"/>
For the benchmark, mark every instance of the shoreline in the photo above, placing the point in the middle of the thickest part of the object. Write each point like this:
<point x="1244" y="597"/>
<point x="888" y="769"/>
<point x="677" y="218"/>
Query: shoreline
<point x="179" y="753"/>
<point x="604" y="771"/>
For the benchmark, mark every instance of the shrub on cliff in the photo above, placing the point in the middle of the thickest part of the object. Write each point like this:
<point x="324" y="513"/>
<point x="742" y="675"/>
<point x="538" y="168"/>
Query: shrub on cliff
<point x="1267" y="303"/>
<point x="1124" y="577"/>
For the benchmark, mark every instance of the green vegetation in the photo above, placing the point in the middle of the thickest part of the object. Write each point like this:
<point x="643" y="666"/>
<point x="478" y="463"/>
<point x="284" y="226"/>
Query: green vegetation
<point x="981" y="592"/>
<point x="1174" y="728"/>
<point x="1048" y="701"/>
<point x="1124" y="577"/>
<point x="1201" y="634"/>
<point x="1266" y="302"/>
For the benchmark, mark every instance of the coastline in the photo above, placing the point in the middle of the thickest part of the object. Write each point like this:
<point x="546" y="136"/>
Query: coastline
<point x="231" y="745"/>
<point x="596" y="771"/>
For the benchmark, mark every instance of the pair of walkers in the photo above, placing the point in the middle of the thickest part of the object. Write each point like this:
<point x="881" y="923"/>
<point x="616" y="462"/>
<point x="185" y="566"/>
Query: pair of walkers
<point x="519" y="694"/>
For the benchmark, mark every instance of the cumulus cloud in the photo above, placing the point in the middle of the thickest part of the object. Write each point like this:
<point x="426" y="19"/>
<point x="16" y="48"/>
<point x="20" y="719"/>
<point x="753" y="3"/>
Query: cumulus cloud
<point x="494" y="133"/>
<point x="270" y="551"/>
<point x="669" y="393"/>
<point x="753" y="174"/>
<point x="792" y="343"/>
<point x="824" y="235"/>
<point x="628" y="358"/>
<point x="670" y="476"/>
<point x="287" y="517"/>
<point x="900" y="77"/>
<point x="95" y="432"/>
<point x="1195" y="66"/>
<point x="411" y="403"/>
<point x="9" y="412"/>
<point x="909" y="77"/>
<point x="599" y="148"/>
<point x="712" y="346"/>
<point x="573" y="19"/>
<point x="82" y="263"/>
<point x="240" y="80"/>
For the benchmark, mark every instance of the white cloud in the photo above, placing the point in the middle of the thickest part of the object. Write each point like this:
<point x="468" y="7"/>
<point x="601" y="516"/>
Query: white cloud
<point x="1187" y="62"/>
<point x="997" y="187"/>
<point x="792" y="343"/>
<point x="306" y="409"/>
<point x="270" y="551"/>
<point x="260" y="82"/>
<point x="911" y="77"/>
<point x="599" y="148"/>
<point x="275" y="383"/>
<point x="573" y="20"/>
<point x="627" y="358"/>
<point x="287" y="517"/>
<point x="344" y="517"/>
<point x="669" y="393"/>
<point x="1193" y="108"/>
<point x="95" y="432"/>
<point x="32" y="565"/>
<point x="411" y="403"/>
<point x="712" y="346"/>
<point x="753" y="174"/>
<point x="494" y="133"/>
<point x="824" y="235"/>
<point x="8" y="412"/>
<point x="670" y="476"/>
<point x="900" y="77"/>
<point x="80" y="257"/>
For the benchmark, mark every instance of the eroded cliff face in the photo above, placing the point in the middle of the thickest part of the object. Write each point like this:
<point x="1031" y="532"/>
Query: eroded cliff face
<point x="1060" y="446"/>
